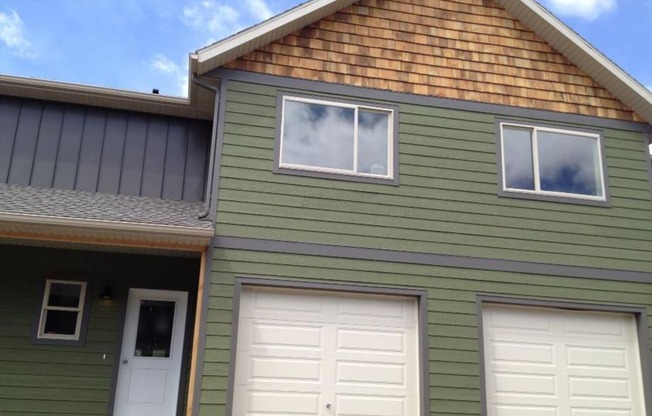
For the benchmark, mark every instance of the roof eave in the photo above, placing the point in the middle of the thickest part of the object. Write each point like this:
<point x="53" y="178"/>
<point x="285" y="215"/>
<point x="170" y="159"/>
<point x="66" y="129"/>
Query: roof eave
<point x="102" y="97"/>
<point x="104" y="232"/>
<point x="581" y="53"/>
<point x="257" y="36"/>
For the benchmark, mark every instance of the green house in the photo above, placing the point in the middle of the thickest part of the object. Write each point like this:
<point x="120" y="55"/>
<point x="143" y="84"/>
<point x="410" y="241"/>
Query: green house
<point x="365" y="208"/>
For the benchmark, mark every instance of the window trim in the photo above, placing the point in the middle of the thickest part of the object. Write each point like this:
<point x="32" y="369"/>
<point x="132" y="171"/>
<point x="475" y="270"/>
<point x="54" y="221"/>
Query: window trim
<point x="331" y="173"/>
<point x="78" y="338"/>
<point x="551" y="196"/>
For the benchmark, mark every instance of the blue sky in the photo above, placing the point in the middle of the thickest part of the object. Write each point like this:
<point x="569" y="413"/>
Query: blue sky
<point x="144" y="44"/>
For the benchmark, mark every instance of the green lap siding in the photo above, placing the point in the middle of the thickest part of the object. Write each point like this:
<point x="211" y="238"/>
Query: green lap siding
<point x="447" y="200"/>
<point x="454" y="378"/>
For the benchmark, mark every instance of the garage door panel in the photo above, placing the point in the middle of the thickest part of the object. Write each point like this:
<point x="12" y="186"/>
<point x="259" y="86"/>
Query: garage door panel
<point x="603" y="326"/>
<point x="599" y="412"/>
<point x="525" y="384"/>
<point x="370" y="341"/>
<point x="370" y="374"/>
<point x="383" y="311"/>
<point x="285" y="370"/>
<point x="530" y="322"/>
<point x="283" y="335"/>
<point x="594" y="369"/>
<point x="599" y="388"/>
<point x="282" y="305"/>
<point x="522" y="352"/>
<point x="590" y="357"/>
<point x="357" y="350"/>
<point x="361" y="405"/>
<point x="279" y="402"/>
<point x="510" y="410"/>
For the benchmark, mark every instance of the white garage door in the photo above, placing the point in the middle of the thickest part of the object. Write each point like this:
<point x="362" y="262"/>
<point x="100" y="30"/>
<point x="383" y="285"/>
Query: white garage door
<point x="307" y="353"/>
<point x="553" y="362"/>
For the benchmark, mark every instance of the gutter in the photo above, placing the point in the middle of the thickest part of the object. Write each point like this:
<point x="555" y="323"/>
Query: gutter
<point x="208" y="193"/>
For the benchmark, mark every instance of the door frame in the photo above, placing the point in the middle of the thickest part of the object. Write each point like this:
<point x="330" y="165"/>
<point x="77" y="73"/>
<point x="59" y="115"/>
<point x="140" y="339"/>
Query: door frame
<point x="185" y="349"/>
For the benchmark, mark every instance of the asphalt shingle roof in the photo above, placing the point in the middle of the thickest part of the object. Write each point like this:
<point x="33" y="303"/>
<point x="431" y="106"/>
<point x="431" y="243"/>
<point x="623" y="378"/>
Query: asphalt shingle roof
<point x="19" y="199"/>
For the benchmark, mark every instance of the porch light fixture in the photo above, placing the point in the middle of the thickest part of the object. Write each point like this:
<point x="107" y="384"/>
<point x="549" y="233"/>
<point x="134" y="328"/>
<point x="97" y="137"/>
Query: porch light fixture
<point x="107" y="293"/>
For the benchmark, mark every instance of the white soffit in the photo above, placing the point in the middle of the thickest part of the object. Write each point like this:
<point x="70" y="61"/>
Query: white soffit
<point x="79" y="230"/>
<point x="257" y="36"/>
<point x="581" y="53"/>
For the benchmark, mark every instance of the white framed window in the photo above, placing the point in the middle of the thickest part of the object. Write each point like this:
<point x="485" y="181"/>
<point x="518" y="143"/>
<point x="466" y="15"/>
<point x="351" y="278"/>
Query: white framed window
<point x="62" y="311"/>
<point x="552" y="162"/>
<point x="332" y="137"/>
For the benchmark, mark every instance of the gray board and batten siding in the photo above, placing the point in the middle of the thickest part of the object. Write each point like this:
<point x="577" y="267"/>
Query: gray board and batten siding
<point x="68" y="146"/>
<point x="446" y="202"/>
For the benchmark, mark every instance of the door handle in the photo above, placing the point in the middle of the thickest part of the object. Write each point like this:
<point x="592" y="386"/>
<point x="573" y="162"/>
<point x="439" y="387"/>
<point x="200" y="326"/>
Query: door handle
<point x="125" y="361"/>
<point x="329" y="405"/>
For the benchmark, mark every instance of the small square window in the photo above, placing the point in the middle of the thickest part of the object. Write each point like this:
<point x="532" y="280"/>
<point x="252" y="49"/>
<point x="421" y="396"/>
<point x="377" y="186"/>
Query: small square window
<point x="552" y="162"/>
<point x="62" y="310"/>
<point x="338" y="138"/>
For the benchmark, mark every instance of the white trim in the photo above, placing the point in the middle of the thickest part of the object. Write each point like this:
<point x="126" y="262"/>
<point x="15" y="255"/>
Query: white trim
<point x="356" y="107"/>
<point x="45" y="307"/>
<point x="536" y="165"/>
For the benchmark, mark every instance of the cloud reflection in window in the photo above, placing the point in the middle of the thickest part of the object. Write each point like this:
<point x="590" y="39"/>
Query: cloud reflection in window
<point x="567" y="163"/>
<point x="323" y="136"/>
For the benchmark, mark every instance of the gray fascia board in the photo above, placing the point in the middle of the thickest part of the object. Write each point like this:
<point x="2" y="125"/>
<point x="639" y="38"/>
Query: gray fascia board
<point x="447" y="103"/>
<point x="442" y="260"/>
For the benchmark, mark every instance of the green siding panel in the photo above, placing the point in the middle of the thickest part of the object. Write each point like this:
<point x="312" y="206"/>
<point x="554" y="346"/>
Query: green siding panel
<point x="447" y="200"/>
<point x="453" y="354"/>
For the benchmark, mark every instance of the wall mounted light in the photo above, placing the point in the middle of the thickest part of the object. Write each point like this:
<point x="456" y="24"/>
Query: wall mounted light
<point x="107" y="293"/>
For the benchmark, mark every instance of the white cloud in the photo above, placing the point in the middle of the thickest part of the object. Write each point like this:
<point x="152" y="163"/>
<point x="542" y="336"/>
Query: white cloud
<point x="13" y="36"/>
<point x="258" y="9"/>
<point x="163" y="64"/>
<point x="207" y="15"/>
<point x="585" y="9"/>
<point x="179" y="73"/>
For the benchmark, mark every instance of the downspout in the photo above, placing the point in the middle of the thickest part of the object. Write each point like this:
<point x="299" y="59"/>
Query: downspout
<point x="211" y="160"/>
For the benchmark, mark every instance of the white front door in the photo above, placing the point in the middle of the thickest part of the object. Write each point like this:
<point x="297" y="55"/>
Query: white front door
<point x="150" y="362"/>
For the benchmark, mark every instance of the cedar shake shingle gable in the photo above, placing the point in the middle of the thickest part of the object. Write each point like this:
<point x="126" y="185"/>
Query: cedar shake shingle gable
<point x="466" y="49"/>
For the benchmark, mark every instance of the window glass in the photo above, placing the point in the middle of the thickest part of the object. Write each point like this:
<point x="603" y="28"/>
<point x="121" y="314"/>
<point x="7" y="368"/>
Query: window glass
<point x="62" y="310"/>
<point x="554" y="162"/>
<point x="517" y="149"/>
<point x="569" y="163"/>
<point x="318" y="135"/>
<point x="60" y="322"/>
<point x="337" y="138"/>
<point x="373" y="130"/>
<point x="155" y="325"/>
<point x="62" y="294"/>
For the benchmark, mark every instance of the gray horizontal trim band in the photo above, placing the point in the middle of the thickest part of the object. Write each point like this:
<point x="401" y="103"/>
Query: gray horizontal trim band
<point x="405" y="98"/>
<point x="393" y="256"/>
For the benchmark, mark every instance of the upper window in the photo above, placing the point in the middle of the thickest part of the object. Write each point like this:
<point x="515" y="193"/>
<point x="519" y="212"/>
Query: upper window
<point x="62" y="310"/>
<point x="339" y="138"/>
<point x="552" y="162"/>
